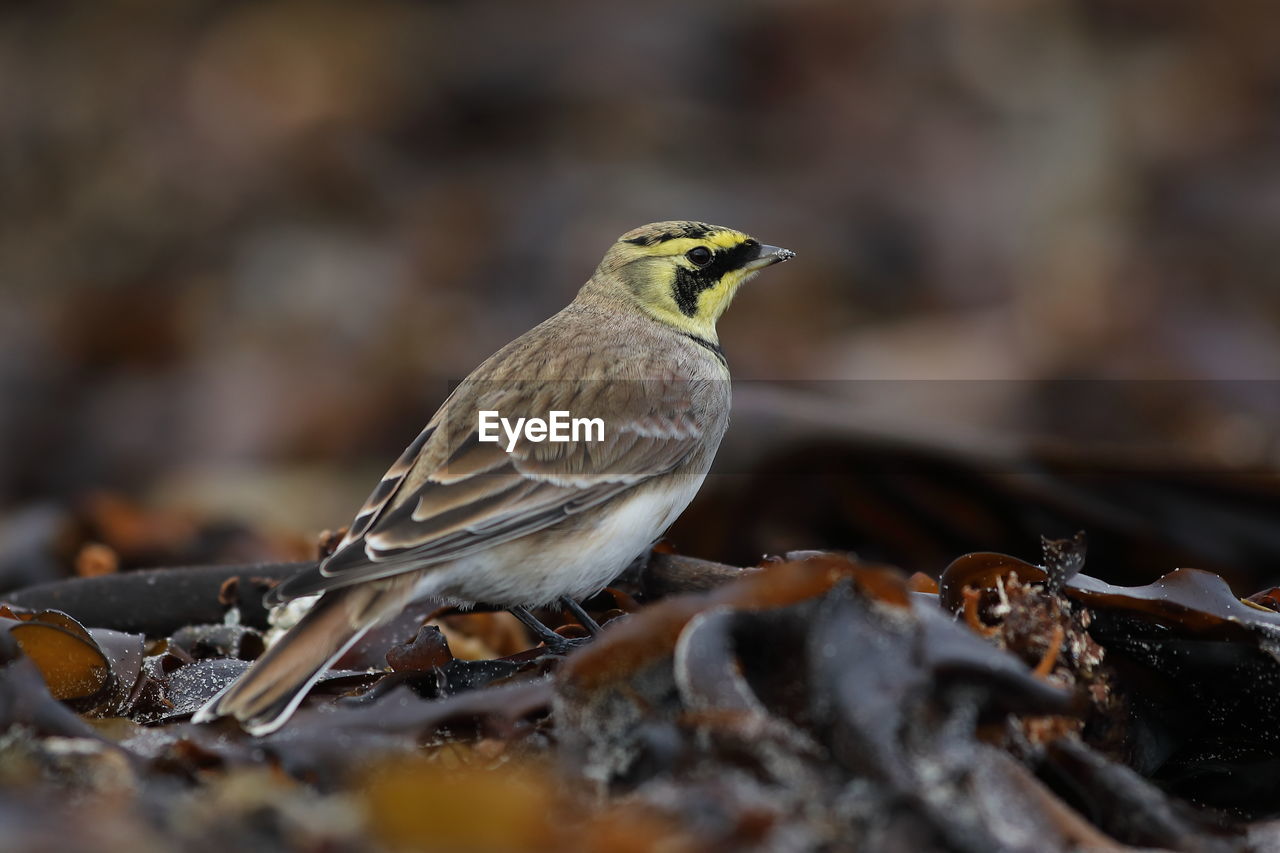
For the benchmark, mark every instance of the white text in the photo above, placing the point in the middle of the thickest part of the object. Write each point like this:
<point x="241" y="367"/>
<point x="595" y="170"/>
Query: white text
<point x="559" y="425"/>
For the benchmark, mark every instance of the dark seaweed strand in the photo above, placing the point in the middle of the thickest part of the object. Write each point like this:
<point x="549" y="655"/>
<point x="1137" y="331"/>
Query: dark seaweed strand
<point x="691" y="282"/>
<point x="715" y="348"/>
<point x="690" y="230"/>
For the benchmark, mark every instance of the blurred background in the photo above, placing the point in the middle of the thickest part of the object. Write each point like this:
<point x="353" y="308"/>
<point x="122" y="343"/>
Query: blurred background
<point x="244" y="248"/>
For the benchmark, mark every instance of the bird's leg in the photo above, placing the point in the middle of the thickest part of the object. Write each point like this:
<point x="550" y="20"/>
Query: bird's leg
<point x="542" y="632"/>
<point x="580" y="613"/>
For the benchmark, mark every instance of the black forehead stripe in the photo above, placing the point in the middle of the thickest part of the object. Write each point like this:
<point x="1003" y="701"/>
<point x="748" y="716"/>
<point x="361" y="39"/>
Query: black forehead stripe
<point x="690" y="230"/>
<point x="691" y="282"/>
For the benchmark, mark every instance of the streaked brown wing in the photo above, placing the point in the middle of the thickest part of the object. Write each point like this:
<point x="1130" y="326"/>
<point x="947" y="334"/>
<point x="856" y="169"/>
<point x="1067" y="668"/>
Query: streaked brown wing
<point x="459" y="495"/>
<point x="387" y="487"/>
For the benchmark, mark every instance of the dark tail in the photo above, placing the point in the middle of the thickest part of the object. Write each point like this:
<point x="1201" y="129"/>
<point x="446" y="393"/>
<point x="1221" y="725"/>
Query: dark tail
<point x="268" y="693"/>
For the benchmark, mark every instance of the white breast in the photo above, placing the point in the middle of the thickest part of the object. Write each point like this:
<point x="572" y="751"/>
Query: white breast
<point x="539" y="568"/>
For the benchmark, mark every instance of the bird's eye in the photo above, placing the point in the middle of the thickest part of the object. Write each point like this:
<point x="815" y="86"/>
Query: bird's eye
<point x="699" y="256"/>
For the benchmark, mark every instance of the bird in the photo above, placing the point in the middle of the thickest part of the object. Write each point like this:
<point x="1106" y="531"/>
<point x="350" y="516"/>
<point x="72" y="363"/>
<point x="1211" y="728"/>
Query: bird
<point x="524" y="521"/>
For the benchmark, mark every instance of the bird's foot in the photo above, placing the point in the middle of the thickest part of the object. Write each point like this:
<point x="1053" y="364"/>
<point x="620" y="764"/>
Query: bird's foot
<point x="580" y="613"/>
<point x="556" y="644"/>
<point x="542" y="632"/>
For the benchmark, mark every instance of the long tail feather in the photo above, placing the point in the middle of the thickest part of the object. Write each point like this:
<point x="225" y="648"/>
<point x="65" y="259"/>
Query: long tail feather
<point x="268" y="693"/>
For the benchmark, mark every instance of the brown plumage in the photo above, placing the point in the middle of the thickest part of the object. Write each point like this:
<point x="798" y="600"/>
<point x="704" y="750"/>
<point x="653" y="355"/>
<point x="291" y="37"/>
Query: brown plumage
<point x="466" y="521"/>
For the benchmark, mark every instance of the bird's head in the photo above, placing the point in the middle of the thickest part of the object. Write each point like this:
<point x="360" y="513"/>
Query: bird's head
<point x="684" y="274"/>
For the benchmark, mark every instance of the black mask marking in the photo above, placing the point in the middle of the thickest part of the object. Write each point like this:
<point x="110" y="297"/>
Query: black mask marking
<point x="691" y="282"/>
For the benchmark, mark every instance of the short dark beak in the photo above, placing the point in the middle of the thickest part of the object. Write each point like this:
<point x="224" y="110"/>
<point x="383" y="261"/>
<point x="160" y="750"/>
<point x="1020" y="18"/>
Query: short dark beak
<point x="768" y="256"/>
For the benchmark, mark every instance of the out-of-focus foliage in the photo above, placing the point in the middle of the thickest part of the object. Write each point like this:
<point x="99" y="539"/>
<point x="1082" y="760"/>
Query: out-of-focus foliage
<point x="815" y="702"/>
<point x="263" y="237"/>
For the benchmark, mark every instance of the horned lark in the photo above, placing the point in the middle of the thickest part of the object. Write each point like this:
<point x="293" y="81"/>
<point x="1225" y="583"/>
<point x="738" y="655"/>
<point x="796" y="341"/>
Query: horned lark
<point x="524" y="520"/>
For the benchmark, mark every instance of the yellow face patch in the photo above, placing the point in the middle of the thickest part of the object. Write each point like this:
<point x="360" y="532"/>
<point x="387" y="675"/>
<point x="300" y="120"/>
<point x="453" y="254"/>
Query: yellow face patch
<point x="686" y="273"/>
